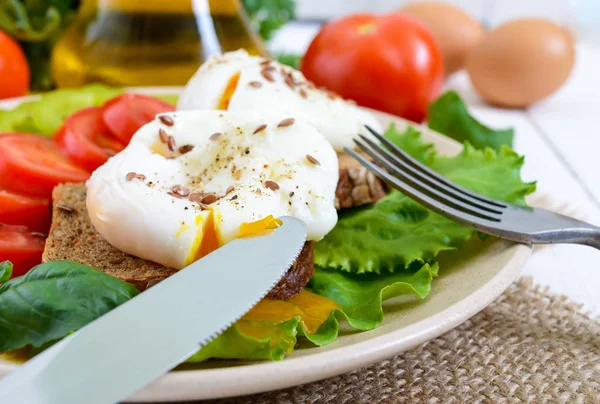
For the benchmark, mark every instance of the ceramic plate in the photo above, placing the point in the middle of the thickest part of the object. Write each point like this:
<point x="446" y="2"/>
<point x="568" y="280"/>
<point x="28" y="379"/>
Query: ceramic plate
<point x="468" y="282"/>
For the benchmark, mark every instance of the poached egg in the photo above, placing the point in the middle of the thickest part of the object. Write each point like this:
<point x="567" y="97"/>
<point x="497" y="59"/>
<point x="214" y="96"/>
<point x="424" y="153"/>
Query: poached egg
<point x="191" y="181"/>
<point x="236" y="81"/>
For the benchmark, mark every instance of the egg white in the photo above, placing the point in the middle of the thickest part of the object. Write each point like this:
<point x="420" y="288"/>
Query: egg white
<point x="337" y="119"/>
<point x="139" y="217"/>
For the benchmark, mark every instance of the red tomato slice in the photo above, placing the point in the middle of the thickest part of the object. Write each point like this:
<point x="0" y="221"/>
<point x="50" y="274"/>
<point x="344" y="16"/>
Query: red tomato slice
<point x="20" y="247"/>
<point x="33" y="165"/>
<point x="84" y="139"/>
<point x="125" y="114"/>
<point x="25" y="210"/>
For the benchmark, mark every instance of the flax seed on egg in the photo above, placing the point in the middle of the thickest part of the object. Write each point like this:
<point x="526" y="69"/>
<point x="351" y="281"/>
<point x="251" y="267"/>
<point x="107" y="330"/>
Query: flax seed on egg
<point x="260" y="128"/>
<point x="163" y="136"/>
<point x="207" y="199"/>
<point x="167" y="120"/>
<point x="313" y="160"/>
<point x="272" y="185"/>
<point x="185" y="148"/>
<point x="171" y="143"/>
<point x="286" y="122"/>
<point x="267" y="75"/>
<point x="180" y="190"/>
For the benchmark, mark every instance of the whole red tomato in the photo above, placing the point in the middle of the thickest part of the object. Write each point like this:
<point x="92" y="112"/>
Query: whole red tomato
<point x="390" y="63"/>
<point x="14" y="71"/>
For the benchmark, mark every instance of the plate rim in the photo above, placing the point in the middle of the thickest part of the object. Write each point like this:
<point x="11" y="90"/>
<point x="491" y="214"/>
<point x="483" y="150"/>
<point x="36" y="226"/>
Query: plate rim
<point x="295" y="371"/>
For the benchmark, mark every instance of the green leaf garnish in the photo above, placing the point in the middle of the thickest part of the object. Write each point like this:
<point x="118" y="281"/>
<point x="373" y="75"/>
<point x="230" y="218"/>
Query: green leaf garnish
<point x="55" y="299"/>
<point x="6" y="269"/>
<point x="449" y="115"/>
<point x="396" y="231"/>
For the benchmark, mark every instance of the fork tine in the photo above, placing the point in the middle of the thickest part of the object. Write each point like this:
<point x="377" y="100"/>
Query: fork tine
<point x="406" y="179"/>
<point x="400" y="168"/>
<point x="432" y="175"/>
<point x="469" y="218"/>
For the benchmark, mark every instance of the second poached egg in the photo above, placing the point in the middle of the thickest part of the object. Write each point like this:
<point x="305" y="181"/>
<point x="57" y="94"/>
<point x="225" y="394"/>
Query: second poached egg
<point x="237" y="81"/>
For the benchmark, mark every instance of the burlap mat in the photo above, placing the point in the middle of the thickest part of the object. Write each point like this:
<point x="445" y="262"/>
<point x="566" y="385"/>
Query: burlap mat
<point x="528" y="346"/>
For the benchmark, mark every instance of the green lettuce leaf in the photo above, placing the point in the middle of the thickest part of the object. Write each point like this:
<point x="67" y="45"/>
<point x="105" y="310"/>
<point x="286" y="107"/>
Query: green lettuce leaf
<point x="6" y="269"/>
<point x="388" y="237"/>
<point x="18" y="119"/>
<point x="55" y="299"/>
<point x="449" y="115"/>
<point x="361" y="296"/>
<point x="360" y="299"/>
<point x="396" y="231"/>
<point x="494" y="174"/>
<point x="278" y="341"/>
<point x="49" y="113"/>
<point x="411" y="142"/>
<point x="46" y="115"/>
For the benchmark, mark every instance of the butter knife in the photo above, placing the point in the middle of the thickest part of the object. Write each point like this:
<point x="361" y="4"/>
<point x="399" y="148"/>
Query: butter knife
<point x="134" y="344"/>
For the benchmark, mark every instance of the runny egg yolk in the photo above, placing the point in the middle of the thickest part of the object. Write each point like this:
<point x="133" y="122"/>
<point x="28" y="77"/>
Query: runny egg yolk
<point x="261" y="227"/>
<point x="229" y="90"/>
<point x="208" y="238"/>
<point x="313" y="310"/>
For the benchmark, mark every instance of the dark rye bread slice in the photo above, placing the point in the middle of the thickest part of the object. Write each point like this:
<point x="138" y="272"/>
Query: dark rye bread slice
<point x="73" y="237"/>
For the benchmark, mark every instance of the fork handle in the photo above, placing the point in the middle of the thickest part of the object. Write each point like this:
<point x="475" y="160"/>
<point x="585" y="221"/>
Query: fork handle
<point x="588" y="235"/>
<point x="593" y="240"/>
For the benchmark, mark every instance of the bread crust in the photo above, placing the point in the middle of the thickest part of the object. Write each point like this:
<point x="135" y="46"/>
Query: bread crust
<point x="73" y="237"/>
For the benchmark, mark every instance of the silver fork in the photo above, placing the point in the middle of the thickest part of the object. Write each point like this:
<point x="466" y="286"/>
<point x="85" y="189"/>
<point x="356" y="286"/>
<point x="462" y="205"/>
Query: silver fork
<point x="497" y="218"/>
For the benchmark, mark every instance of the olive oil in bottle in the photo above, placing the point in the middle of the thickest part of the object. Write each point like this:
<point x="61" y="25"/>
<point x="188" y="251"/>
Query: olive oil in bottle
<point x="148" y="42"/>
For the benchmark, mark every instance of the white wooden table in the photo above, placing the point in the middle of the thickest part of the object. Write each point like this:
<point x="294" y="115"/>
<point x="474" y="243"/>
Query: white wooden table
<point x="560" y="138"/>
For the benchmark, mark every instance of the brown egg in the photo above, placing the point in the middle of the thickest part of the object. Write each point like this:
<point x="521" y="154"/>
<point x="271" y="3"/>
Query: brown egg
<point x="456" y="31"/>
<point x="521" y="62"/>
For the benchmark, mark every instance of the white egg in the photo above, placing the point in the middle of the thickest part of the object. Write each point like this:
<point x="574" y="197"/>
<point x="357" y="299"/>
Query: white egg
<point x="237" y="81"/>
<point x="146" y="200"/>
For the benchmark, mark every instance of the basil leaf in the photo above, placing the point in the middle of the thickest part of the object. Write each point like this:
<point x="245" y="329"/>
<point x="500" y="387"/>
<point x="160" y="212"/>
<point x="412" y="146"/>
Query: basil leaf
<point x="449" y="116"/>
<point x="6" y="269"/>
<point x="54" y="300"/>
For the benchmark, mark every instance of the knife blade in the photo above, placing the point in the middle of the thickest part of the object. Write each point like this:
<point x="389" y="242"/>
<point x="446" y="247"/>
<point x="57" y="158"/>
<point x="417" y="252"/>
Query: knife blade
<point x="134" y="344"/>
